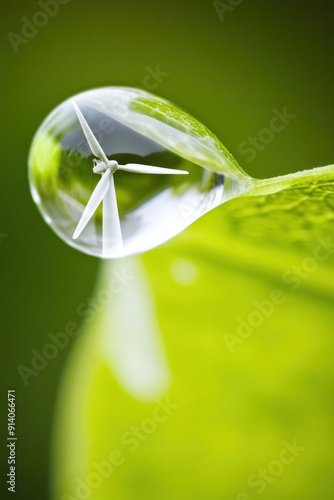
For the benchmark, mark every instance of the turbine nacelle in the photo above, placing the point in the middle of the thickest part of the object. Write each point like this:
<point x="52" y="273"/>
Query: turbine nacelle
<point x="101" y="166"/>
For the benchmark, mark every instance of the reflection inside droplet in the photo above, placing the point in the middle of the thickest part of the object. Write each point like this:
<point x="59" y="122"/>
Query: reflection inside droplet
<point x="130" y="130"/>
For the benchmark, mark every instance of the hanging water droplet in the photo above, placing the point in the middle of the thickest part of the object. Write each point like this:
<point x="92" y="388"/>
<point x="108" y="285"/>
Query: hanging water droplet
<point x="111" y="135"/>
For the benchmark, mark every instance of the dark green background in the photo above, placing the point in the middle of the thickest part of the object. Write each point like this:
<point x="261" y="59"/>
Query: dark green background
<point x="230" y="74"/>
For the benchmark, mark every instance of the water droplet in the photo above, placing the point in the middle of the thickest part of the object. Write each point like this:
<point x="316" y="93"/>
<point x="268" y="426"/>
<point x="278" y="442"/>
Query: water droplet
<point x="108" y="137"/>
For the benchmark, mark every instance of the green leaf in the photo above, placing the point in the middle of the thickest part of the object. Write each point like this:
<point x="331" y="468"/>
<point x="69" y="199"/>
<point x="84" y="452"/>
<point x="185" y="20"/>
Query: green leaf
<point x="193" y="138"/>
<point x="286" y="209"/>
<point x="243" y="302"/>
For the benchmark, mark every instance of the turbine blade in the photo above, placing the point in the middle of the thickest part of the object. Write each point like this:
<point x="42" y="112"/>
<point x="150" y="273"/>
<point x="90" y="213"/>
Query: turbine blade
<point x="94" y="201"/>
<point x="91" y="139"/>
<point x="147" y="169"/>
<point x="112" y="242"/>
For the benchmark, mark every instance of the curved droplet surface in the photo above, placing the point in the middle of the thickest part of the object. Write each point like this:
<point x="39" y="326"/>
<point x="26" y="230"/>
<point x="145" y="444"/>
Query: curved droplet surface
<point x="127" y="134"/>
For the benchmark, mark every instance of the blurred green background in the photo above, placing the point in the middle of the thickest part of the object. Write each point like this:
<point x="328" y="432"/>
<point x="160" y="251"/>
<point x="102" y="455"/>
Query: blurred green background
<point x="229" y="73"/>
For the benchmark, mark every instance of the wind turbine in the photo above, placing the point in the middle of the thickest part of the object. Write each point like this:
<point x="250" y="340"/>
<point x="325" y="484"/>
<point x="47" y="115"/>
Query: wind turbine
<point x="105" y="191"/>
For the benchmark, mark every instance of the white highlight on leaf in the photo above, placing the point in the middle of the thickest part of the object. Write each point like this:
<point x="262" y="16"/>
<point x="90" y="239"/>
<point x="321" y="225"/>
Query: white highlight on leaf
<point x="131" y="339"/>
<point x="183" y="271"/>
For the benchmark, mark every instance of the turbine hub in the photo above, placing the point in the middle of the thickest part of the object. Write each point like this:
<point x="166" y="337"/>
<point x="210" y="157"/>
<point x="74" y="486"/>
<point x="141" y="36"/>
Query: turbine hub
<point x="101" y="166"/>
<point x="112" y="165"/>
